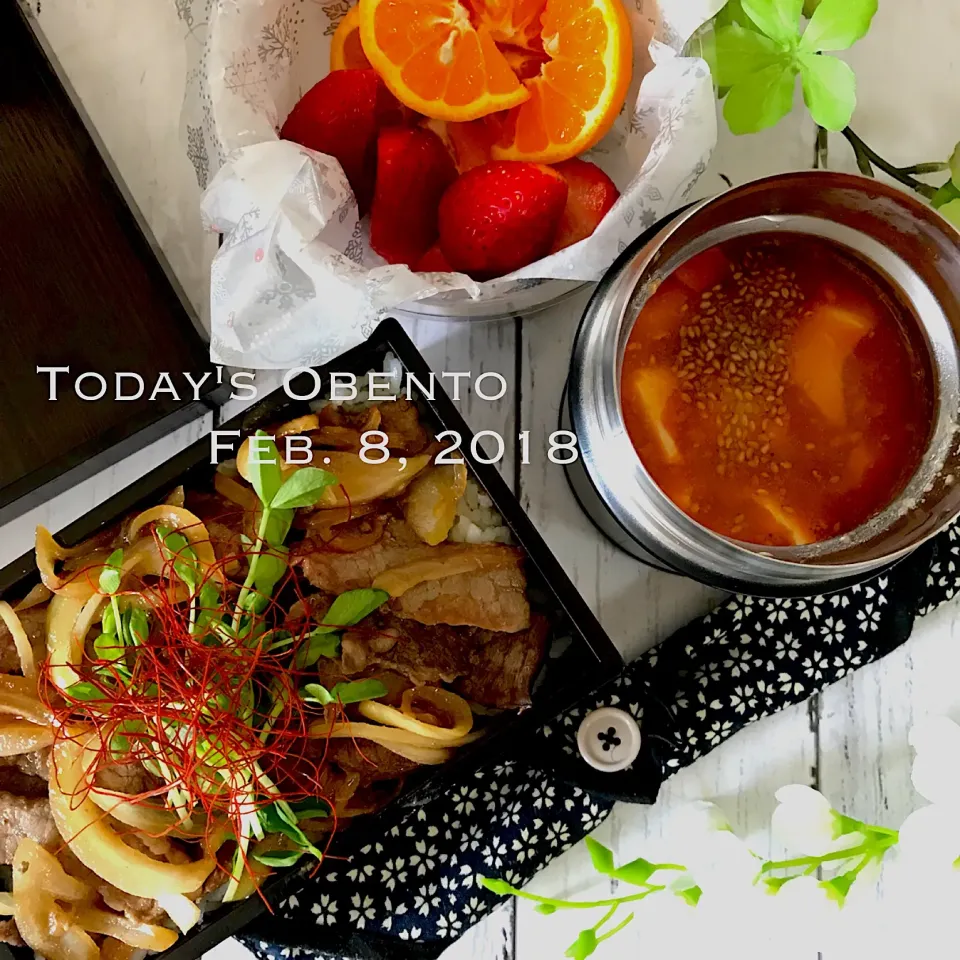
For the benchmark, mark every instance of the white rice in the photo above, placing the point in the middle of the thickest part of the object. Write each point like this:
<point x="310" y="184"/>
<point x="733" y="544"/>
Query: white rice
<point x="477" y="521"/>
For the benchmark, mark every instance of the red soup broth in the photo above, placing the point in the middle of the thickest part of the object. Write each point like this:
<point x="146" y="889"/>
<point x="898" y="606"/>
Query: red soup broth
<point x="775" y="390"/>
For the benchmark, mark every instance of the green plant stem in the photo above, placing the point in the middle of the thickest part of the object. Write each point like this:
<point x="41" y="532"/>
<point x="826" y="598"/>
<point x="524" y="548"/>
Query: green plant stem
<point x="584" y="904"/>
<point x="616" y="929"/>
<point x="816" y="861"/>
<point x="867" y="158"/>
<point x="252" y="571"/>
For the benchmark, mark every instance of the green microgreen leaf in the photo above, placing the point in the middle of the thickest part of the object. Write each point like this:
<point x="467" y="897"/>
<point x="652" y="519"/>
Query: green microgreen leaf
<point x="838" y="25"/>
<point x="303" y="488"/>
<point x="311" y="809"/>
<point x="762" y="100"/>
<point x="829" y="90"/>
<point x="263" y="465"/>
<point x="138" y="626"/>
<point x="738" y="52"/>
<point x="320" y="643"/>
<point x="951" y="211"/>
<point x="583" y="946"/>
<point x="110" y="575"/>
<point x="108" y="647"/>
<point x="954" y="162"/>
<point x="279" y="858"/>
<point x="271" y="567"/>
<point x="84" y="690"/>
<point x="352" y="606"/>
<point x="354" y="691"/>
<point x="316" y="693"/>
<point x="778" y="19"/>
<point x="108" y="622"/>
<point x="272" y="821"/>
<point x="277" y="527"/>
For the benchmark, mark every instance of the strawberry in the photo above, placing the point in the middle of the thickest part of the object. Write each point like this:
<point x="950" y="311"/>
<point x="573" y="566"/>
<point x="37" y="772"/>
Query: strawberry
<point x="433" y="261"/>
<point x="591" y="194"/>
<point x="340" y="116"/>
<point x="499" y="217"/>
<point x="413" y="170"/>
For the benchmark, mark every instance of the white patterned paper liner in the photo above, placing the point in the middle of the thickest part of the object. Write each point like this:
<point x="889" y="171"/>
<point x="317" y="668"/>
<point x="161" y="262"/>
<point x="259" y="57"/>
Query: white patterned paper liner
<point x="296" y="282"/>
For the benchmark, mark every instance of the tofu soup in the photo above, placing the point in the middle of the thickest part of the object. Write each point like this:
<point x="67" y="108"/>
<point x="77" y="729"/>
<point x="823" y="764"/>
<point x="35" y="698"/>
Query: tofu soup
<point x="776" y="390"/>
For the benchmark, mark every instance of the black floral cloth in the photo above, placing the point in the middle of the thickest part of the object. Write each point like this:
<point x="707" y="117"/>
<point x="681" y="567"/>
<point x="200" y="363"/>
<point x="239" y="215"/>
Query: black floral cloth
<point x="413" y="889"/>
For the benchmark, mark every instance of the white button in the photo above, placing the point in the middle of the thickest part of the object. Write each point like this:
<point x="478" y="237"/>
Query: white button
<point x="609" y="739"/>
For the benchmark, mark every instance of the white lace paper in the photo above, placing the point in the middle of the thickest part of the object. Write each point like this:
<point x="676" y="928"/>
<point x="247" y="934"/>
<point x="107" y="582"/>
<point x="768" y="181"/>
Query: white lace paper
<point x="295" y="281"/>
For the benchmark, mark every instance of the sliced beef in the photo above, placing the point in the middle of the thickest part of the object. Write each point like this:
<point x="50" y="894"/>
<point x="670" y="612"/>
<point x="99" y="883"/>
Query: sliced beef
<point x="490" y="599"/>
<point x="370" y="761"/>
<point x="34" y="623"/>
<point x="400" y="421"/>
<point x="502" y="666"/>
<point x="225" y="522"/>
<point x="493" y="598"/>
<point x="24" y="817"/>
<point x="9" y="933"/>
<point x="25" y="775"/>
<point x="425" y="655"/>
<point x="130" y="778"/>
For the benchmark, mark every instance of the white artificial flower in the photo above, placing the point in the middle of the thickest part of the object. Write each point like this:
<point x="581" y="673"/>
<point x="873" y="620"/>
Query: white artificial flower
<point x="805" y="822"/>
<point x="936" y="766"/>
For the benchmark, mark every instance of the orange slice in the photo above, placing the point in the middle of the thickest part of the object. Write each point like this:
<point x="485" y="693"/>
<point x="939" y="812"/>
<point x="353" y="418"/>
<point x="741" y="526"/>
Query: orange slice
<point x="435" y="61"/>
<point x="579" y="91"/>
<point x="346" y="50"/>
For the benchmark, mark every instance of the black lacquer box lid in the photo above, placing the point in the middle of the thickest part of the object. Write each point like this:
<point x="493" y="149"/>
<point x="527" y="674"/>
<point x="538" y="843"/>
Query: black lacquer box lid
<point x="80" y="287"/>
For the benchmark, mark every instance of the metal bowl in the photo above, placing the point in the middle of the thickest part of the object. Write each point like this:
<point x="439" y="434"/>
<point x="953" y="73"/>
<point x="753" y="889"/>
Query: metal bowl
<point x="907" y="242"/>
<point x="498" y="301"/>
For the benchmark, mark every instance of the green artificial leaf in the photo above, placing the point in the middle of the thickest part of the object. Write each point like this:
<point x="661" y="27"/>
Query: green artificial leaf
<point x="303" y="488"/>
<point x="636" y="872"/>
<point x="951" y="211"/>
<point x="500" y="887"/>
<point x="583" y="946"/>
<point x="316" y="693"/>
<point x="829" y="90"/>
<point x="691" y="895"/>
<point x="545" y="908"/>
<point x="110" y="575"/>
<point x="778" y="19"/>
<point x="354" y="691"/>
<point x="838" y="887"/>
<point x="263" y="465"/>
<point x="949" y="191"/>
<point x="732" y="13"/>
<point x="837" y="25"/>
<point x="600" y="856"/>
<point x="810" y="7"/>
<point x="317" y="644"/>
<point x="954" y="162"/>
<point x="108" y="647"/>
<point x="737" y="53"/>
<point x="311" y="809"/>
<point x="84" y="690"/>
<point x="762" y="100"/>
<point x="279" y="858"/>
<point x="351" y="607"/>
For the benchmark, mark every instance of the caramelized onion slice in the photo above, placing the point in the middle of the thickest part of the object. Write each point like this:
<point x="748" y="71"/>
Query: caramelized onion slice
<point x="447" y="703"/>
<point x="20" y="639"/>
<point x="22" y="736"/>
<point x="98" y="846"/>
<point x="38" y="883"/>
<point x="431" y="504"/>
<point x="360" y="482"/>
<point x="185" y="522"/>
<point x="18" y="698"/>
<point x="471" y="558"/>
<point x="144" y="936"/>
<point x="237" y="493"/>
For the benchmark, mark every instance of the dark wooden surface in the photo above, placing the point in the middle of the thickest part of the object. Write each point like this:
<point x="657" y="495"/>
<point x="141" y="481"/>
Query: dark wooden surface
<point x="79" y="283"/>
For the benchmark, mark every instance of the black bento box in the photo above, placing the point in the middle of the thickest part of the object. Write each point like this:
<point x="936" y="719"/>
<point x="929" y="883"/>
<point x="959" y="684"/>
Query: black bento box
<point x="580" y="657"/>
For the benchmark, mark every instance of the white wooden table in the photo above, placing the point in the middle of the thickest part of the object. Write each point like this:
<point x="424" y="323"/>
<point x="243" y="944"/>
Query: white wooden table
<point x="125" y="59"/>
